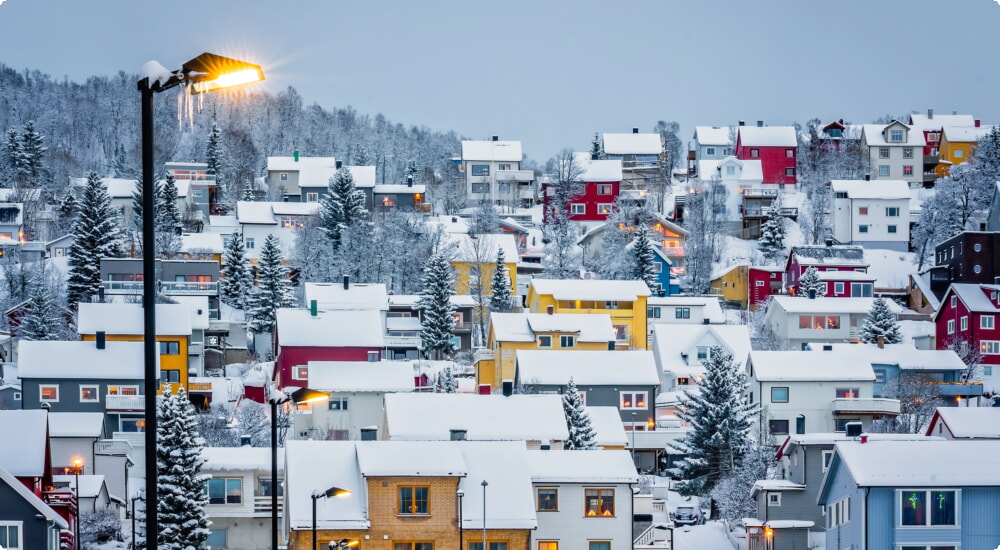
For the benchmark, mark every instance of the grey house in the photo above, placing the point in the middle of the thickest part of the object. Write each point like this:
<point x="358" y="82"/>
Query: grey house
<point x="25" y="520"/>
<point x="86" y="376"/>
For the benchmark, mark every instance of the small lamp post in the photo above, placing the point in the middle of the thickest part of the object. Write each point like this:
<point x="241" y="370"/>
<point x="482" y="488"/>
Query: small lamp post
<point x="343" y="543"/>
<point x="460" y="494"/>
<point x="302" y="395"/>
<point x="205" y="73"/>
<point x="77" y="467"/>
<point x="484" y="484"/>
<point x="331" y="492"/>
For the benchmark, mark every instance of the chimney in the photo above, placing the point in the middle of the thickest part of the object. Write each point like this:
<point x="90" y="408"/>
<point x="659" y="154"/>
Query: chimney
<point x="868" y="177"/>
<point x="954" y="113"/>
<point x="295" y="155"/>
<point x="827" y="347"/>
<point x="409" y="181"/>
<point x="978" y="123"/>
<point x="484" y="389"/>
<point x="457" y="435"/>
<point x="930" y="114"/>
<point x="635" y="130"/>
<point x="760" y="123"/>
<point x="853" y="429"/>
<point x="611" y="345"/>
<point x="829" y="242"/>
<point x="706" y="321"/>
<point x="544" y="447"/>
<point x="244" y="441"/>
<point x="593" y="156"/>
<point x="347" y="282"/>
<point x="881" y="341"/>
<point x="100" y="340"/>
<point x="743" y="123"/>
<point x="550" y="309"/>
<point x="496" y="138"/>
<point x="369" y="434"/>
<point x="508" y="388"/>
<point x="864" y="439"/>
<point x="313" y="308"/>
<point x="812" y="293"/>
<point x="338" y="164"/>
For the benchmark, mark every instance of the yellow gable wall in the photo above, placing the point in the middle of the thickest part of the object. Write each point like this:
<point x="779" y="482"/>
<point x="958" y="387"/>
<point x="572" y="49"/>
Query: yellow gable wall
<point x="632" y="314"/>
<point x="505" y="356"/>
<point x="464" y="277"/>
<point x="177" y="362"/>
<point x="735" y="287"/>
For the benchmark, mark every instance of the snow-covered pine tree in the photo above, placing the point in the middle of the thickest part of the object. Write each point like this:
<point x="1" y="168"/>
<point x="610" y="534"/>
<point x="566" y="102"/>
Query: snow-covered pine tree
<point x="67" y="206"/>
<point x="721" y="418"/>
<point x="181" y="488"/>
<point x="810" y="281"/>
<point x="168" y="218"/>
<point x="772" y="235"/>
<point x="97" y="234"/>
<point x="500" y="286"/>
<point x="596" y="147"/>
<point x="644" y="267"/>
<point x="31" y="164"/>
<point x="360" y="155"/>
<point x="121" y="162"/>
<point x="247" y="194"/>
<point x="448" y="383"/>
<point x="342" y="207"/>
<point x="137" y="203"/>
<point x="274" y="289"/>
<point x="411" y="173"/>
<point x="42" y="319"/>
<point x="582" y="436"/>
<point x="881" y="321"/>
<point x="236" y="280"/>
<point x="215" y="157"/>
<point x="437" y="320"/>
<point x="12" y="151"/>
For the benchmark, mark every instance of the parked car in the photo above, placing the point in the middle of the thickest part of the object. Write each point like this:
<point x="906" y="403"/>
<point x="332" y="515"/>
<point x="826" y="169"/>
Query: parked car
<point x="687" y="515"/>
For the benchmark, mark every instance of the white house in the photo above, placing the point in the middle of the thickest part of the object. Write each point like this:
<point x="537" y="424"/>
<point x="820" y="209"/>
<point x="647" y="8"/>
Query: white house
<point x="493" y="171"/>
<point x="681" y="350"/>
<point x="800" y="320"/>
<point x="895" y="151"/>
<point x="566" y="482"/>
<point x="713" y="142"/>
<point x="814" y="391"/>
<point x="683" y="310"/>
<point x="239" y="496"/>
<point x="874" y="215"/>
<point x="641" y="155"/>
<point x="288" y="175"/>
<point x="257" y="220"/>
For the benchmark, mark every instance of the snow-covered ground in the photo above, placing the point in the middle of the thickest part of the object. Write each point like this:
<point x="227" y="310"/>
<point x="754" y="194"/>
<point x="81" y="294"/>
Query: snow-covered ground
<point x="711" y="536"/>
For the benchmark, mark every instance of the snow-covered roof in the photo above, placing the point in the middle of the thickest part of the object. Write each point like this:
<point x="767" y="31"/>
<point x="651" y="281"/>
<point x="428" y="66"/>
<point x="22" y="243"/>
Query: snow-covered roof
<point x="510" y="498"/>
<point x="582" y="467"/>
<point x="267" y="213"/>
<point x="294" y="208"/>
<point x="607" y="425"/>
<point x="965" y="133"/>
<point x="399" y="189"/>
<point x="330" y="296"/>
<point x="338" y="328"/>
<point x="117" y="318"/>
<point x="361" y="376"/>
<point x="926" y="124"/>
<point x="222" y="224"/>
<point x="974" y="297"/>
<point x="856" y="276"/>
<point x="410" y="300"/>
<point x="90" y="485"/>
<point x="873" y="136"/>
<point x="633" y="144"/>
<point x="587" y="367"/>
<point x="483" y="248"/>
<point x="364" y="176"/>
<point x="751" y="170"/>
<point x="431" y="416"/>
<point x="76" y="424"/>
<point x="313" y="171"/>
<point x="810" y="366"/>
<point x="799" y="304"/>
<point x="25" y="435"/>
<point x="671" y="340"/>
<point x="117" y="188"/>
<point x="523" y="327"/>
<point x="880" y="189"/>
<point x="436" y="458"/>
<point x="198" y="242"/>
<point x="597" y="170"/>
<point x="775" y="485"/>
<point x="81" y="360"/>
<point x="968" y="422"/>
<point x="448" y="224"/>
<point x="198" y="305"/>
<point x="403" y="323"/>
<point x="8" y="478"/>
<point x="829" y="438"/>
<point x="712" y="308"/>
<point x="808" y="255"/>
<point x="904" y="356"/>
<point x="497" y="151"/>
<point x="592" y="289"/>
<point x="922" y="280"/>
<point x="235" y="459"/>
<point x="767" y="136"/>
<point x="921" y="463"/>
<point x="712" y="135"/>
<point x="317" y="466"/>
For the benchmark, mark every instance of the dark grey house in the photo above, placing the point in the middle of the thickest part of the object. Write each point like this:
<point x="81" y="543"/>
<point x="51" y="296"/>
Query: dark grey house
<point x="86" y="376"/>
<point x="26" y="522"/>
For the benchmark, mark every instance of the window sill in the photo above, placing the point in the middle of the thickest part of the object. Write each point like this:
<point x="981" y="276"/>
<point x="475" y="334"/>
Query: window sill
<point x="403" y="516"/>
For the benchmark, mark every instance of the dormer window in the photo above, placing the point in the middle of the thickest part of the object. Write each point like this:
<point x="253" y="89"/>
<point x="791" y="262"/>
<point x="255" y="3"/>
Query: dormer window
<point x="730" y="170"/>
<point x="896" y="136"/>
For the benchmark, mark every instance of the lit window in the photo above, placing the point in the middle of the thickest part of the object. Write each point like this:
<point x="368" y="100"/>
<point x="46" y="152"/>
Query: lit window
<point x="907" y="170"/>
<point x="605" y="189"/>
<point x="548" y="545"/>
<point x="545" y="341"/>
<point x="633" y="400"/>
<point x="862" y="210"/>
<point x="989" y="347"/>
<point x="621" y="332"/>
<point x="548" y="500"/>
<point x="928" y="508"/>
<point x="48" y="392"/>
<point x="604" y="209"/>
<point x="225" y="490"/>
<point x="300" y="372"/>
<point x="414" y="500"/>
<point x="283" y="176"/>
<point x="599" y="502"/>
<point x="848" y="393"/>
<point x="89" y="394"/>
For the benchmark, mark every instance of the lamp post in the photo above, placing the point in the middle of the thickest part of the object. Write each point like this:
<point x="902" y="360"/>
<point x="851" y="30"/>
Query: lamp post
<point x="460" y="494"/>
<point x="133" y="499"/>
<point x="205" y="73"/>
<point x="331" y="492"/>
<point x="302" y="395"/>
<point x="77" y="466"/>
<point x="484" y="484"/>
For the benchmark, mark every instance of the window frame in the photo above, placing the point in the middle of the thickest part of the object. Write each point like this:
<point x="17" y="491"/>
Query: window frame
<point x="849" y="393"/>
<point x="928" y="521"/>
<point x="605" y="209"/>
<point x="951" y="326"/>
<point x="479" y="170"/>
<point x="412" y="544"/>
<point x="883" y="152"/>
<point x="214" y="544"/>
<point x="225" y="491"/>
<point x="97" y="393"/>
<point x="983" y="325"/>
<point x="632" y="394"/>
<point x="773" y="502"/>
<point x="824" y="461"/>
<point x="300" y="372"/>
<point x="862" y="210"/>
<point x="312" y="197"/>
<point x="600" y="495"/>
<point x="779" y="400"/>
<point x="605" y="189"/>
<point x="892" y="211"/>
<point x="963" y="323"/>
<point x="564" y="338"/>
<point x="538" y="499"/>
<point x="18" y="526"/>
<point x="789" y="172"/>
<point x="413" y="500"/>
<point x="169" y="345"/>
<point x="574" y="211"/>
<point x="682" y="313"/>
<point x="771" y="424"/>
<point x="41" y="393"/>
<point x="838" y="287"/>
<point x="337" y="404"/>
<point x="754" y="153"/>
<point x="884" y="171"/>
<point x="989" y="347"/>
<point x="653" y="312"/>
<point x="544" y="346"/>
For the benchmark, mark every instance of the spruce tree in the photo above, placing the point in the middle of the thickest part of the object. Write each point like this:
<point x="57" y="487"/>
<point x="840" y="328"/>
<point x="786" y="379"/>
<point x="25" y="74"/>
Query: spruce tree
<point x="437" y="320"/>
<point x="168" y="218"/>
<point x="500" y="285"/>
<point x="247" y="194"/>
<point x="237" y="280"/>
<point x="810" y="281"/>
<point x="721" y="418"/>
<point x="448" y="383"/>
<point x="137" y="203"/>
<point x="597" y="147"/>
<point x="31" y="164"/>
<point x="360" y="155"/>
<point x="582" y="436"/>
<point x="342" y="207"/>
<point x="96" y="234"/>
<point x="880" y="322"/>
<point x="42" y="319"/>
<point x="274" y="289"/>
<point x="67" y="206"/>
<point x="644" y="258"/>
<point x="12" y="151"/>
<point x="215" y="157"/>
<point x="772" y="235"/>
<point x="181" y="488"/>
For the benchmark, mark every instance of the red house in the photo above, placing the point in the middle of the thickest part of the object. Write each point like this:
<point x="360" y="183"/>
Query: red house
<point x="968" y="317"/>
<point x="764" y="281"/>
<point x="828" y="259"/>
<point x="775" y="148"/>
<point x="339" y="335"/>
<point x="600" y="182"/>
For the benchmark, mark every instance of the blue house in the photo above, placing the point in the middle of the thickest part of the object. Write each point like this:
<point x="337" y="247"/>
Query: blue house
<point x="667" y="284"/>
<point x="910" y="495"/>
<point x="25" y="520"/>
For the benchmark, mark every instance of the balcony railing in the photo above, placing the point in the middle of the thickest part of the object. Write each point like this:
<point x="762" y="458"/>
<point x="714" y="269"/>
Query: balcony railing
<point x="957" y="389"/>
<point x="125" y="402"/>
<point x="166" y="287"/>
<point x="401" y="341"/>
<point x="757" y="192"/>
<point x="515" y="175"/>
<point x="875" y="405"/>
<point x="262" y="503"/>
<point x="135" y="439"/>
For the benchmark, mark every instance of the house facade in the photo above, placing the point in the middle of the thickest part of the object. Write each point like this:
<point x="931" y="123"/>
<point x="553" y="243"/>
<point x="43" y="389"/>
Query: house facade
<point x="894" y="152"/>
<point x="967" y="320"/>
<point x="305" y="335"/>
<point x="641" y="155"/>
<point x="239" y="496"/>
<point x="800" y="320"/>
<point x="681" y="351"/>
<point x="958" y="145"/>
<point x="774" y="146"/>
<point x="871" y="215"/>
<point x="257" y="220"/>
<point x="598" y="183"/>
<point x="713" y="142"/>
<point x="970" y="257"/>
<point x="683" y="310"/>
<point x="624" y="301"/>
<point x="21" y="527"/>
<point x="492" y="171"/>
<point x="826" y="258"/>
<point x="931" y="126"/>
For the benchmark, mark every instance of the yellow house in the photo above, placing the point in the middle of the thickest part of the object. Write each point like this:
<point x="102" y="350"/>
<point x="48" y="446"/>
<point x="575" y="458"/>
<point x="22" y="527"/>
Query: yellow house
<point x="957" y="145"/>
<point x="731" y="284"/>
<point x="474" y="258"/>
<point x="124" y="323"/>
<point x="623" y="301"/>
<point x="510" y="332"/>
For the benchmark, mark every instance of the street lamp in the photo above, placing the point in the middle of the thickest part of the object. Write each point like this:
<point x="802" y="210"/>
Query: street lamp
<point x="301" y="395"/>
<point x="460" y="494"/>
<point x="484" y="484"/>
<point x="205" y="73"/>
<point x="331" y="492"/>
<point x="343" y="543"/>
<point x="77" y="467"/>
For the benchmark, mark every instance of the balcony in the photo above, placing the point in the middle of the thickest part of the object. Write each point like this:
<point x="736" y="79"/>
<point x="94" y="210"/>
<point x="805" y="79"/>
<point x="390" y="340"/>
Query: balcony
<point x="166" y="287"/>
<point x="135" y="439"/>
<point x="873" y="406"/>
<point x="125" y="402"/>
<point x="515" y="175"/>
<point x="402" y="341"/>
<point x="262" y="503"/>
<point x="956" y="389"/>
<point x="758" y="193"/>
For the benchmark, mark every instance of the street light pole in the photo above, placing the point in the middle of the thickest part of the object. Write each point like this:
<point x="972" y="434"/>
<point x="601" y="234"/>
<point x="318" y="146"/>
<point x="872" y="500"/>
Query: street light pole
<point x="316" y="495"/>
<point x="460" y="493"/>
<point x="484" y="484"/>
<point x="276" y="398"/>
<point x="78" y="463"/>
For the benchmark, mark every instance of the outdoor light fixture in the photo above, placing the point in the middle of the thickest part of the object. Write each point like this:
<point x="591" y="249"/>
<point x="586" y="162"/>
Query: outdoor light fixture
<point x="204" y="73"/>
<point x="331" y="492"/>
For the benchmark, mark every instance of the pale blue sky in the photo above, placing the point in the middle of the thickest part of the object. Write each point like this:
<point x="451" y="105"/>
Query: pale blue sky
<point x="550" y="73"/>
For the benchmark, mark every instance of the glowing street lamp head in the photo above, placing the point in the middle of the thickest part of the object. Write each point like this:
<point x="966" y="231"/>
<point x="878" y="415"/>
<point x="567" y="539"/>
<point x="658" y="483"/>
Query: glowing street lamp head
<point x="209" y="72"/>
